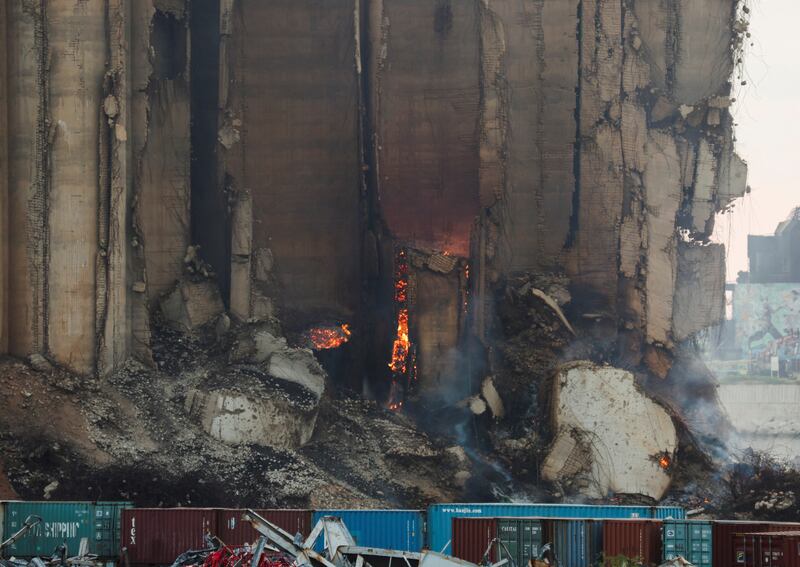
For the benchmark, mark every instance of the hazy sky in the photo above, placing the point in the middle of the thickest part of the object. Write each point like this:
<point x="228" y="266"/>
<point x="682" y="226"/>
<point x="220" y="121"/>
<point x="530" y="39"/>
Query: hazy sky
<point x="767" y="114"/>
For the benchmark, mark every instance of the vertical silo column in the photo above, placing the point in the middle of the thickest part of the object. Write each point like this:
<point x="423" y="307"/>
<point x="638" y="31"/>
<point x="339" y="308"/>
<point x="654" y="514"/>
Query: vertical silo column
<point x="76" y="34"/>
<point x="27" y="187"/>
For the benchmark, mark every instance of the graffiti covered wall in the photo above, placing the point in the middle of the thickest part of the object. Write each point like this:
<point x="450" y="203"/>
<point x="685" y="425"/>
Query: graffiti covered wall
<point x="765" y="313"/>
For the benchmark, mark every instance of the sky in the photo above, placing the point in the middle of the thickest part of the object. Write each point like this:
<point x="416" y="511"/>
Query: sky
<point x="767" y="116"/>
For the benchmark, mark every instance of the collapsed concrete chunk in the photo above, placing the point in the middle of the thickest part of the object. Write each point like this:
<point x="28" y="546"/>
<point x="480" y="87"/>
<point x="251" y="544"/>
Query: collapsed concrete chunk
<point x="192" y="304"/>
<point x="732" y="178"/>
<point x="700" y="289"/>
<point x="256" y="345"/>
<point x="609" y="435"/>
<point x="300" y="367"/>
<point x="272" y="412"/>
<point x="703" y="207"/>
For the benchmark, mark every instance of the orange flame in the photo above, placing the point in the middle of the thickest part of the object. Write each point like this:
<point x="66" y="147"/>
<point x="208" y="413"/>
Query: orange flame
<point x="401" y="344"/>
<point x="664" y="462"/>
<point x="324" y="338"/>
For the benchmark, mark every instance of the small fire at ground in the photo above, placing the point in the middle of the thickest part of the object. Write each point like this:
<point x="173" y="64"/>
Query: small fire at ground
<point x="324" y="338"/>
<point x="664" y="461"/>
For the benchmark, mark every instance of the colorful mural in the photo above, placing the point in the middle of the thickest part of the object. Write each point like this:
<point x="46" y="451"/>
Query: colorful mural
<point x="767" y="319"/>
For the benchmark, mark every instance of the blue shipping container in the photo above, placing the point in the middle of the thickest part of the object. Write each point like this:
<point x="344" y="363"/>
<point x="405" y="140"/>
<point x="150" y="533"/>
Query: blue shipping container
<point x="388" y="529"/>
<point x="576" y="543"/>
<point x="689" y="539"/>
<point x="440" y="516"/>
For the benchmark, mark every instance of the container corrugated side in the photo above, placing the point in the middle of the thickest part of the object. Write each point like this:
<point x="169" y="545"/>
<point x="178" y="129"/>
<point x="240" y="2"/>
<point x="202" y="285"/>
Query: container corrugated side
<point x="2" y="520"/>
<point x="522" y="539"/>
<point x="769" y="549"/>
<point x="471" y="538"/>
<point x="156" y="536"/>
<point x="234" y="531"/>
<point x="724" y="548"/>
<point x="576" y="543"/>
<point x="440" y="516"/>
<point x="62" y="522"/>
<point x="389" y="529"/>
<point x="690" y="539"/>
<point x="634" y="539"/>
<point x="108" y="528"/>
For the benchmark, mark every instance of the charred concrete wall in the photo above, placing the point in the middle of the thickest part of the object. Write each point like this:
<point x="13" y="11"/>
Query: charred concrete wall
<point x="3" y="184"/>
<point x="89" y="82"/>
<point x="426" y="90"/>
<point x="289" y="139"/>
<point x="585" y="137"/>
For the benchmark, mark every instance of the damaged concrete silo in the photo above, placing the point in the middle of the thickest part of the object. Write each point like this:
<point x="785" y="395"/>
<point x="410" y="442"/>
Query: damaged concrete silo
<point x="290" y="157"/>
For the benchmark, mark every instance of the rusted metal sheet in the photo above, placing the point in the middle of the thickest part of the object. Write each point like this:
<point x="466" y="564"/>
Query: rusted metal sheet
<point x="234" y="531"/>
<point x="156" y="536"/>
<point x="471" y="537"/>
<point x="639" y="539"/>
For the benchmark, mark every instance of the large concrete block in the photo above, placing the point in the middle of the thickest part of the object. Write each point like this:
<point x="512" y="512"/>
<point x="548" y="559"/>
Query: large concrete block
<point x="609" y="436"/>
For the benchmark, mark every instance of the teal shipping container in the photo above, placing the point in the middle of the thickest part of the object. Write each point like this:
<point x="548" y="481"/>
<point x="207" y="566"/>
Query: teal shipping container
<point x="440" y="516"/>
<point x="402" y="530"/>
<point x="521" y="539"/>
<point x="64" y="522"/>
<point x="690" y="539"/>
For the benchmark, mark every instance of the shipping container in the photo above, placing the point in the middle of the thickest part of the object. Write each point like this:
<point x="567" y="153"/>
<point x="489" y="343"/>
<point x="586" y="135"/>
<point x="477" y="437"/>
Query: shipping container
<point x="440" y="516"/>
<point x="471" y="538"/>
<point x="234" y="531"/>
<point x="67" y="523"/>
<point x="521" y="539"/>
<point x="156" y="536"/>
<point x="389" y="529"/>
<point x="769" y="549"/>
<point x="723" y="538"/>
<point x="690" y="539"/>
<point x="633" y="539"/>
<point x="2" y="520"/>
<point x="576" y="543"/>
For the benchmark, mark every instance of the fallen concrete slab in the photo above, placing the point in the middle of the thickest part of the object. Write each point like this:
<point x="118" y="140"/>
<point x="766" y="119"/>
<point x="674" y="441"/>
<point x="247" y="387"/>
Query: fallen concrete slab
<point x="609" y="436"/>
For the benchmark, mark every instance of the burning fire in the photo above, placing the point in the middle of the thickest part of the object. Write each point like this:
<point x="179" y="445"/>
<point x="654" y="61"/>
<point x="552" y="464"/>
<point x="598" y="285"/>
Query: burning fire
<point x="401" y="344"/>
<point x="401" y="348"/>
<point x="664" y="461"/>
<point x="324" y="338"/>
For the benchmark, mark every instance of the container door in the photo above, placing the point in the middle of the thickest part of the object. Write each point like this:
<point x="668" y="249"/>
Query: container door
<point x="531" y="540"/>
<point x="508" y="533"/>
<point x="671" y="541"/>
<point x="108" y="528"/>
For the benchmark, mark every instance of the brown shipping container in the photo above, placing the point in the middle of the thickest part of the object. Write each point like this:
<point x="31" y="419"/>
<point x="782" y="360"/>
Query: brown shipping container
<point x="471" y="537"/>
<point x="769" y="549"/>
<point x="639" y="539"/>
<point x="156" y="536"/>
<point x="724" y="546"/>
<point x="234" y="531"/>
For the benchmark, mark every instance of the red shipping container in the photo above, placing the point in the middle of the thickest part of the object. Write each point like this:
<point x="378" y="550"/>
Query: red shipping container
<point x="635" y="539"/>
<point x="234" y="531"/>
<point x="724" y="543"/>
<point x="156" y="536"/>
<point x="471" y="537"/>
<point x="769" y="549"/>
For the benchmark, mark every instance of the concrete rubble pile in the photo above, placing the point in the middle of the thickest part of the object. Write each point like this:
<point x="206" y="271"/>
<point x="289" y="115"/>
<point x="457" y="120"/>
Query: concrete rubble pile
<point x="185" y="182"/>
